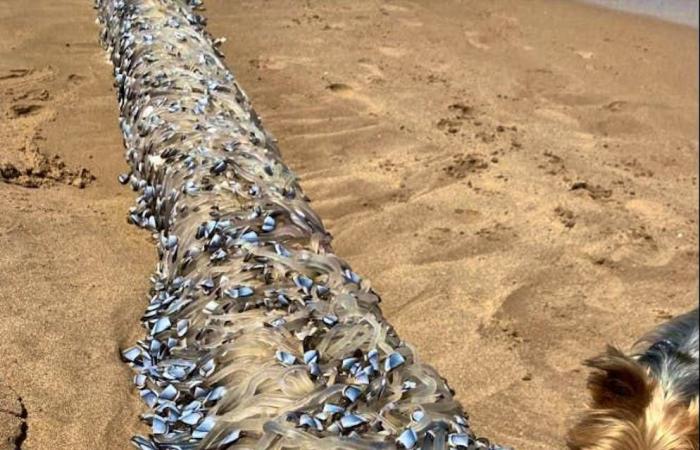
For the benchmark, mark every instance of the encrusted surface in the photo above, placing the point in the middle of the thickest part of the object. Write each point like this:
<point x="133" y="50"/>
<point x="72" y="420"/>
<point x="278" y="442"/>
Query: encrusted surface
<point x="258" y="335"/>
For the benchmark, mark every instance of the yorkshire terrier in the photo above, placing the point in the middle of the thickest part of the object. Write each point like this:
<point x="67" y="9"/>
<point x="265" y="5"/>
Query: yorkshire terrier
<point x="647" y="400"/>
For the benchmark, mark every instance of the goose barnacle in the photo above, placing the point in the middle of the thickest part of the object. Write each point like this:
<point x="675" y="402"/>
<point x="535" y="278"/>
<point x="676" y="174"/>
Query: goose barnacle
<point x="131" y="354"/>
<point x="311" y="356"/>
<point x="159" y="426"/>
<point x="268" y="224"/>
<point x="407" y="439"/>
<point x="149" y="397"/>
<point x="160" y="325"/>
<point x="169" y="393"/>
<point x="459" y="440"/>
<point x="203" y="428"/>
<point x="393" y="361"/>
<point x="192" y="418"/>
<point x="231" y="438"/>
<point x="350" y="421"/>
<point x="306" y="420"/>
<point x="352" y="393"/>
<point x="285" y="358"/>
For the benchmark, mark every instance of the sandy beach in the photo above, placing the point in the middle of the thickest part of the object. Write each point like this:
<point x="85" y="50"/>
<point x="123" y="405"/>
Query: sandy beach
<point x="518" y="180"/>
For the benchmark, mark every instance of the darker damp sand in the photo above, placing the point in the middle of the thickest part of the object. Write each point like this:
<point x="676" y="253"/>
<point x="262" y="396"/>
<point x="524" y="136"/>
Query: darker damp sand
<point x="684" y="12"/>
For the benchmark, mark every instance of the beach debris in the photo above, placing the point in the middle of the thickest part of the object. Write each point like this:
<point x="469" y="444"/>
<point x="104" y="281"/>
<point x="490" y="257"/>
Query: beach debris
<point x="257" y="334"/>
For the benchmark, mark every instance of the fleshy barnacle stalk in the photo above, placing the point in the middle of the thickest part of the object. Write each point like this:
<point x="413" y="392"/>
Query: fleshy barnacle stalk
<point x="258" y="336"/>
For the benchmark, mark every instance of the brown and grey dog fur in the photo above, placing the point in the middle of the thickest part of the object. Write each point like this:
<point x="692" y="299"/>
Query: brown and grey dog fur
<point x="646" y="400"/>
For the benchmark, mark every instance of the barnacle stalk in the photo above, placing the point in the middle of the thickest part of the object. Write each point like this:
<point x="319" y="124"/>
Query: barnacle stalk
<point x="258" y="336"/>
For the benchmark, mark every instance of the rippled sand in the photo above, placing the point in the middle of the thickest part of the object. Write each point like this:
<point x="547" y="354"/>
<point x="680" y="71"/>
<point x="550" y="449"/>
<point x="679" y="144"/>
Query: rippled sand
<point x="519" y="182"/>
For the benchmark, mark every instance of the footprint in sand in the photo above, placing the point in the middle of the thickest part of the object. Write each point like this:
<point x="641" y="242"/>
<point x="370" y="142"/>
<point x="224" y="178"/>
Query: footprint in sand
<point x="556" y="116"/>
<point x="341" y="89"/>
<point x="393" y="8"/>
<point x="15" y="73"/>
<point x="617" y="125"/>
<point x="392" y="52"/>
<point x="24" y="163"/>
<point x="616" y="106"/>
<point x="411" y="23"/>
<point x="277" y="62"/>
<point x="374" y="73"/>
<point x="13" y="419"/>
<point x="76" y="79"/>
<point x="476" y="40"/>
<point x="346" y="91"/>
<point x="21" y="78"/>
<point x="20" y="110"/>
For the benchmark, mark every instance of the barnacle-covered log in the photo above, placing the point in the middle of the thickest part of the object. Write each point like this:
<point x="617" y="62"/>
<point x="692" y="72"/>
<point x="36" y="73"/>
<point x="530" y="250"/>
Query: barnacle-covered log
<point x="258" y="335"/>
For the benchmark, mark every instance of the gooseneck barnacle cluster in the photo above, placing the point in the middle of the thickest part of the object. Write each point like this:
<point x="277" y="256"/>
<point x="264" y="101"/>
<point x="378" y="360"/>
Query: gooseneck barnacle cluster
<point x="258" y="336"/>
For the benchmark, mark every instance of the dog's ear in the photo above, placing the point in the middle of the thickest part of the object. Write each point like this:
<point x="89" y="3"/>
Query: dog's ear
<point x="618" y="382"/>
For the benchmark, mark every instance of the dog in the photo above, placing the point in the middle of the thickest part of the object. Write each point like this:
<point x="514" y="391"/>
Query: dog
<point x="647" y="400"/>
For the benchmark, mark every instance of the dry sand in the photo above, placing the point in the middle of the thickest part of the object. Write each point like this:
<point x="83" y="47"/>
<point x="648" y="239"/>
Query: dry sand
<point x="518" y="179"/>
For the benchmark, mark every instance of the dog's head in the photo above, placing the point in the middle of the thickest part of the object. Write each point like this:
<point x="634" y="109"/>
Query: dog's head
<point x="630" y="410"/>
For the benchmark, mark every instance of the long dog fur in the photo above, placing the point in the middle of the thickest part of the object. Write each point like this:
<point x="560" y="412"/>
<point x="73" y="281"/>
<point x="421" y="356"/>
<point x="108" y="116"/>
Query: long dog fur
<point x="647" y="400"/>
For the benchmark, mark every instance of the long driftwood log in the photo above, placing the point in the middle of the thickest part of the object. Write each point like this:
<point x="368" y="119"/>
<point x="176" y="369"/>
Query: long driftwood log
<point x="258" y="336"/>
